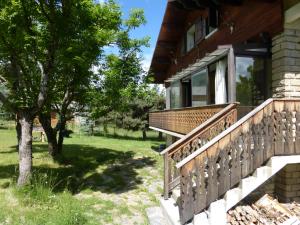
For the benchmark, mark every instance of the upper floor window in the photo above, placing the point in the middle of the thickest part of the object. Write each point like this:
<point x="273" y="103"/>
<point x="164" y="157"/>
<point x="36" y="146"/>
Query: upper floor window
<point x="190" y="38"/>
<point x="203" y="27"/>
<point x="212" y="21"/>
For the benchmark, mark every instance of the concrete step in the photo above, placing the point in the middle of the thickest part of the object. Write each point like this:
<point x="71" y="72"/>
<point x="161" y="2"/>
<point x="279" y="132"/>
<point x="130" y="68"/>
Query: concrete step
<point x="263" y="172"/>
<point x="155" y="216"/>
<point x="247" y="185"/>
<point x="201" y="219"/>
<point x="170" y="211"/>
<point x="217" y="213"/>
<point x="232" y="197"/>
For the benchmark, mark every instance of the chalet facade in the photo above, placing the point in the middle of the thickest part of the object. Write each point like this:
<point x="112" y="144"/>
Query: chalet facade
<point x="231" y="69"/>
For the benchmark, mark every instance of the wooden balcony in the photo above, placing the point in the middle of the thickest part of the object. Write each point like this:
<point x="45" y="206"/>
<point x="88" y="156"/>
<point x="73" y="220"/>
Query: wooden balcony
<point x="184" y="120"/>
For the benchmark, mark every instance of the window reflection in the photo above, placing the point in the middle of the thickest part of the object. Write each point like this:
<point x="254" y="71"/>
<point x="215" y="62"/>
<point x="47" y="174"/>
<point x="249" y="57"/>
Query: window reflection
<point x="175" y="95"/>
<point x="199" y="88"/>
<point x="250" y="80"/>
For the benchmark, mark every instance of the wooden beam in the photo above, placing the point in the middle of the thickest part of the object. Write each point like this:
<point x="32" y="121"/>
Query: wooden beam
<point x="253" y="49"/>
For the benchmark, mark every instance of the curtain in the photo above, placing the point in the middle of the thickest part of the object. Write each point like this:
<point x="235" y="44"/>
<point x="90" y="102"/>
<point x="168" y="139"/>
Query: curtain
<point x="220" y="83"/>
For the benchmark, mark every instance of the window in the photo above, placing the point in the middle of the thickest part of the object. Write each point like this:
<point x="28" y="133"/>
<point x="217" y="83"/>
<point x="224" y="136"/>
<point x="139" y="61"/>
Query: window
<point x="251" y="85"/>
<point x="190" y="38"/>
<point x="199" y="88"/>
<point x="198" y="31"/>
<point x="212" y="20"/>
<point x="175" y="95"/>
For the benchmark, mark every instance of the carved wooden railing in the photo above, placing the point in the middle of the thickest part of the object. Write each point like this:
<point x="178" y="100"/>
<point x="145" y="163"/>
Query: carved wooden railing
<point x="183" y="120"/>
<point x="192" y="142"/>
<point x="271" y="129"/>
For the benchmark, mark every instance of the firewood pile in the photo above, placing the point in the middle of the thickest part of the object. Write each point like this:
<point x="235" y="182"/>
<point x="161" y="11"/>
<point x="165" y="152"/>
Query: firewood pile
<point x="267" y="211"/>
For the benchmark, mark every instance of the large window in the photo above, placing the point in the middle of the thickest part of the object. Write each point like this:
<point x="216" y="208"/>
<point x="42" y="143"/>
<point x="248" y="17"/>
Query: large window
<point x="175" y="95"/>
<point x="199" y="88"/>
<point x="251" y="76"/>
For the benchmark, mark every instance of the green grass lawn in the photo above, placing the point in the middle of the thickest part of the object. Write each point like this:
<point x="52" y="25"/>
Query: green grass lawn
<point x="97" y="180"/>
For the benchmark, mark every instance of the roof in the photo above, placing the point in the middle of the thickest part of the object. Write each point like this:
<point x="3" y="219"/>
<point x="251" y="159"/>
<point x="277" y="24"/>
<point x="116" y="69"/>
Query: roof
<point x="266" y="210"/>
<point x="170" y="32"/>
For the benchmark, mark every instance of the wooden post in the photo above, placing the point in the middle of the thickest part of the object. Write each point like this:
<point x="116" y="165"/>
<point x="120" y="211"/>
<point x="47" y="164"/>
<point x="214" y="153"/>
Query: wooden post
<point x="231" y="87"/>
<point x="166" y="176"/>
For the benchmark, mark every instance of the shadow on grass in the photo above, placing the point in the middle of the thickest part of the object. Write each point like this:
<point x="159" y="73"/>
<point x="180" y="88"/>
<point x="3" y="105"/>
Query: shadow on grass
<point x="85" y="167"/>
<point x="125" y="137"/>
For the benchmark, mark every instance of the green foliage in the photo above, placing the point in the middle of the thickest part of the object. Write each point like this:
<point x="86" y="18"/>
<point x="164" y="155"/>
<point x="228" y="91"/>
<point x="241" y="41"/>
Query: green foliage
<point x="40" y="190"/>
<point x="136" y="115"/>
<point x="55" y="208"/>
<point x="120" y="72"/>
<point x="48" y="48"/>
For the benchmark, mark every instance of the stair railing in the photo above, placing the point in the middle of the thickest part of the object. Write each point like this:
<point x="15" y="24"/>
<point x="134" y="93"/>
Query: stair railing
<point x="193" y="141"/>
<point x="273" y="128"/>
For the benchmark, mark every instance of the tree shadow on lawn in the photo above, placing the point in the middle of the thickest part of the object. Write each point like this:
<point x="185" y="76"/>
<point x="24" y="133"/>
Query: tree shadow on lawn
<point x="79" y="170"/>
<point x="126" y="137"/>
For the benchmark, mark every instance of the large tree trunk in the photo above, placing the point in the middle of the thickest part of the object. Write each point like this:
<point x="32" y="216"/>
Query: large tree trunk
<point x="25" y="148"/>
<point x="61" y="135"/>
<point x="45" y="119"/>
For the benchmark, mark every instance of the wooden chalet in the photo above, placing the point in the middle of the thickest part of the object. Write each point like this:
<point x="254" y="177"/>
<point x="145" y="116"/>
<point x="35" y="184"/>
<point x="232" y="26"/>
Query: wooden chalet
<point x="231" y="69"/>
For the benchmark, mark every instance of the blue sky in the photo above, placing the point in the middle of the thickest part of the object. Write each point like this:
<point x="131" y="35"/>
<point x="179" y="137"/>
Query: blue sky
<point x="154" y="11"/>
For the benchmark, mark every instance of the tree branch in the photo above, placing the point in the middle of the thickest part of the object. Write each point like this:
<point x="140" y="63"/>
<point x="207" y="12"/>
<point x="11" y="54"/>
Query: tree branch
<point x="47" y="68"/>
<point x="43" y="87"/>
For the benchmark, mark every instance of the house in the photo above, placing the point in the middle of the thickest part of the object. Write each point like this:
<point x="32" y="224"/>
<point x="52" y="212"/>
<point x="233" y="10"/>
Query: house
<point x="231" y="69"/>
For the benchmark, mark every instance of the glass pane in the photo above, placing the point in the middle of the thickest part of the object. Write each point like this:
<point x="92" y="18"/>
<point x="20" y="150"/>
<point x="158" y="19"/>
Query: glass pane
<point x="199" y="88"/>
<point x="190" y="38"/>
<point x="250" y="80"/>
<point x="175" y="95"/>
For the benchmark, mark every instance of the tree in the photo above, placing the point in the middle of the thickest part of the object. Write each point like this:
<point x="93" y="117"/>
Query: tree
<point x="120" y="72"/>
<point x="39" y="51"/>
<point x="73" y="98"/>
<point x="136" y="117"/>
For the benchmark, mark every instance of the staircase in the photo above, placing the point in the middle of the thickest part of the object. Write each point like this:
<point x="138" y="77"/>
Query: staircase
<point x="227" y="168"/>
<point x="216" y="212"/>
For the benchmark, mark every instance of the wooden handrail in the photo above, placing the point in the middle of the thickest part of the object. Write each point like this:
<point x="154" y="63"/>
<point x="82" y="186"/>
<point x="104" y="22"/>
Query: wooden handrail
<point x="192" y="141"/>
<point x="223" y="134"/>
<point x="272" y="129"/>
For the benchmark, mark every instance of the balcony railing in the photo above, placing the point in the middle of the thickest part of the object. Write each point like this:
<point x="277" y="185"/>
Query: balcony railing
<point x="191" y="142"/>
<point x="183" y="120"/>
